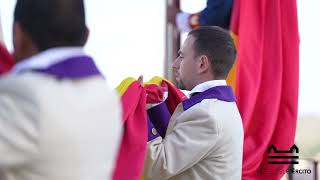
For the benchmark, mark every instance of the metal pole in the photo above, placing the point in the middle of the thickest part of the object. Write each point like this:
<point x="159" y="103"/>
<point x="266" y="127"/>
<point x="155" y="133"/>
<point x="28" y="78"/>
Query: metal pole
<point x="1" y="34"/>
<point x="172" y="43"/>
<point x="316" y="170"/>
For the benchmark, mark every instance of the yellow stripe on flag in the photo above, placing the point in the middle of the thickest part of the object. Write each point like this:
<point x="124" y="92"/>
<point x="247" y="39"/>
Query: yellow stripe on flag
<point x="124" y="85"/>
<point x="231" y="79"/>
<point x="155" y="80"/>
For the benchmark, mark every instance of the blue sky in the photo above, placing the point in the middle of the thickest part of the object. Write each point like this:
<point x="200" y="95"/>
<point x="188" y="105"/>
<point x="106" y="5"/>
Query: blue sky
<point x="127" y="39"/>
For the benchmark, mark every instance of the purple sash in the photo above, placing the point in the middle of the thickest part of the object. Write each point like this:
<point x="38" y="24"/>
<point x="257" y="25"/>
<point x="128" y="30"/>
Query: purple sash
<point x="223" y="93"/>
<point x="72" y="68"/>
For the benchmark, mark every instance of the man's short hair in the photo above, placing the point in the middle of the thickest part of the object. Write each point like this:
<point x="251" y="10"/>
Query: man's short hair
<point x="217" y="44"/>
<point x="52" y="23"/>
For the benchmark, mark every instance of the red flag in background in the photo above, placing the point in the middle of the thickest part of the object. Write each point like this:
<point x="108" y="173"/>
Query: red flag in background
<point x="267" y="75"/>
<point x="6" y="60"/>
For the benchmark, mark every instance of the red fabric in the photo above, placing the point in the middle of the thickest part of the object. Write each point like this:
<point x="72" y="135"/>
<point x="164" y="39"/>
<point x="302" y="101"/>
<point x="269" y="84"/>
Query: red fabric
<point x="130" y="160"/>
<point x="175" y="96"/>
<point x="267" y="79"/>
<point x="6" y="60"/>
<point x="155" y="93"/>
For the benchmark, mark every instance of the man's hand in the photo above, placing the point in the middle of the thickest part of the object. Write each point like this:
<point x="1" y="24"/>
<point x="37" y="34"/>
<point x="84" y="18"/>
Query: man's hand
<point x="140" y="79"/>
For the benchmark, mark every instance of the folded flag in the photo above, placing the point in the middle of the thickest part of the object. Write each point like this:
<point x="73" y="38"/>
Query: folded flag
<point x="146" y="112"/>
<point x="130" y="160"/>
<point x="159" y="112"/>
<point x="6" y="60"/>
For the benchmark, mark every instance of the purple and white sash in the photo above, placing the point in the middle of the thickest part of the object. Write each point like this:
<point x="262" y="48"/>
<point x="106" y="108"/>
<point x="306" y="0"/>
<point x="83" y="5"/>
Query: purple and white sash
<point x="71" y="68"/>
<point x="223" y="93"/>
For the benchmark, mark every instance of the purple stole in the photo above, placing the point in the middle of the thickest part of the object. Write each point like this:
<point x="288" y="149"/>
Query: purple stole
<point x="72" y="68"/>
<point x="223" y="93"/>
<point x="159" y="116"/>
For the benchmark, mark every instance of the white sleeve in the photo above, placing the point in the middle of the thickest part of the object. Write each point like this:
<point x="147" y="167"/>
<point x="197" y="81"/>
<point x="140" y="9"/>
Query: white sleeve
<point x="191" y="139"/>
<point x="18" y="126"/>
<point x="182" y="21"/>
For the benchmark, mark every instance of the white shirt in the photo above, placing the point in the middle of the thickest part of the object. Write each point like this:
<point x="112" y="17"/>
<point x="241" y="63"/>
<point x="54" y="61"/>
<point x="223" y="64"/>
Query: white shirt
<point x="205" y="86"/>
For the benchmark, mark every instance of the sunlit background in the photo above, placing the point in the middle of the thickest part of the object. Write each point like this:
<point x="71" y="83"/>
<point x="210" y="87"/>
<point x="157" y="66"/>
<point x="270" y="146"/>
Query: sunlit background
<point x="127" y="39"/>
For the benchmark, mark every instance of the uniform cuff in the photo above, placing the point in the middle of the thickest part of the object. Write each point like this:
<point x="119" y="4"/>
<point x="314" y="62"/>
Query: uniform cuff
<point x="152" y="132"/>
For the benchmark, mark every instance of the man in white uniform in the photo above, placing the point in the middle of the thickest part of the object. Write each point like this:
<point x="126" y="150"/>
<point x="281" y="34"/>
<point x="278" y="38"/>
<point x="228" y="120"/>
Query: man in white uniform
<point x="58" y="118"/>
<point x="204" y="138"/>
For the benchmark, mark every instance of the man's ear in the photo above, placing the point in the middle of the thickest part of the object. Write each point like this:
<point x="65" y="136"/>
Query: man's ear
<point x="203" y="64"/>
<point x="17" y="36"/>
<point x="20" y="36"/>
<point x="86" y="36"/>
<point x="22" y="42"/>
<point x="18" y="41"/>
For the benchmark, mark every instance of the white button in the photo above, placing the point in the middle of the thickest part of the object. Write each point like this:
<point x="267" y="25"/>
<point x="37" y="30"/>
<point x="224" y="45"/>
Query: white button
<point x="154" y="131"/>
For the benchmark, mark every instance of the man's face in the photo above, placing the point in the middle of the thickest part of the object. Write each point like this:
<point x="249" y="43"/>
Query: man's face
<point x="185" y="66"/>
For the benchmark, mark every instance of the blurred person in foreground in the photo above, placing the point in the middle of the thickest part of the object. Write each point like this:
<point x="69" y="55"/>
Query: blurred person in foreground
<point x="58" y="118"/>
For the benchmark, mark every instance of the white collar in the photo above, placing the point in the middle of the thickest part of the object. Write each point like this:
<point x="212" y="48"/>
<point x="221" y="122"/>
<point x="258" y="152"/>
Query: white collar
<point x="48" y="58"/>
<point x="207" y="85"/>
